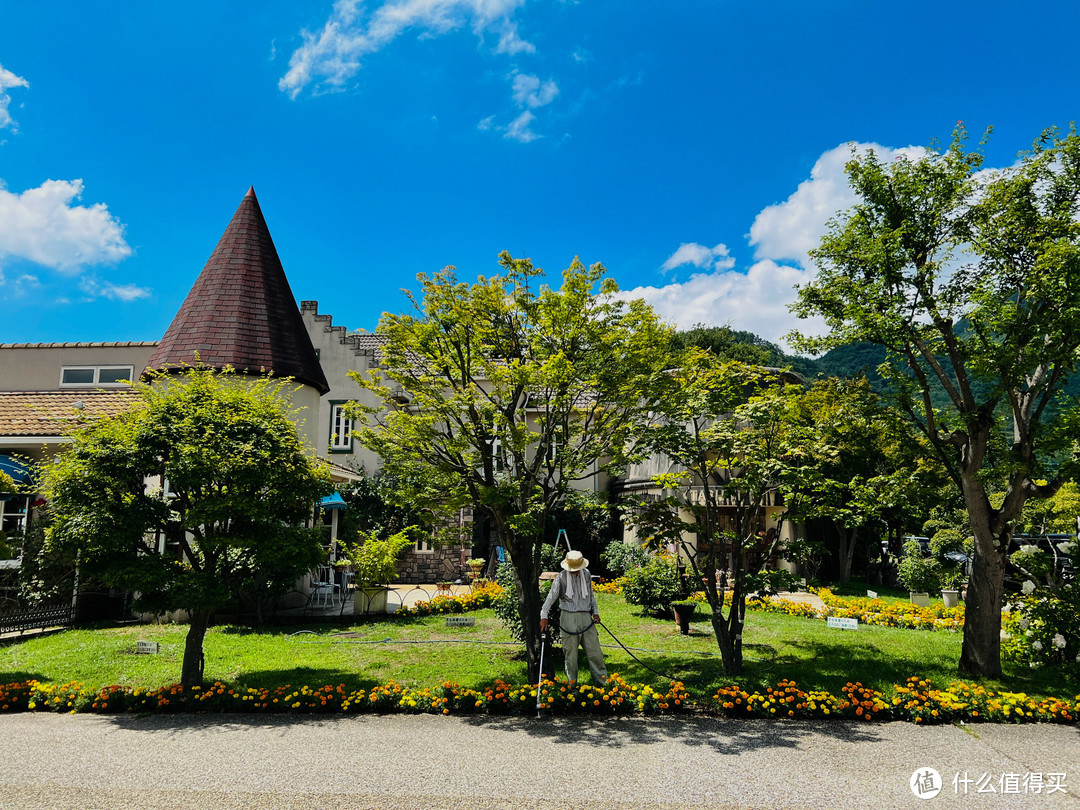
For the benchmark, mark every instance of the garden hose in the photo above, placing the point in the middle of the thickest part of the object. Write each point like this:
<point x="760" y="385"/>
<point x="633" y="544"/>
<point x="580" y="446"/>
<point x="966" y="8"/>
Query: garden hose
<point x="657" y="672"/>
<point x="628" y="650"/>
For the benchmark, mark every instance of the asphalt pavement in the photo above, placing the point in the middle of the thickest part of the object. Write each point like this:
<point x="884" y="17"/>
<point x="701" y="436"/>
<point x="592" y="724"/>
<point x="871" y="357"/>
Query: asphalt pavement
<point x="243" y="761"/>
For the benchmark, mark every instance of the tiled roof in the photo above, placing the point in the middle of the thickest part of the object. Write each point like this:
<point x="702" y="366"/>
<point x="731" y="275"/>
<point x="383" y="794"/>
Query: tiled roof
<point x="241" y="311"/>
<point x="79" y="345"/>
<point x="51" y="413"/>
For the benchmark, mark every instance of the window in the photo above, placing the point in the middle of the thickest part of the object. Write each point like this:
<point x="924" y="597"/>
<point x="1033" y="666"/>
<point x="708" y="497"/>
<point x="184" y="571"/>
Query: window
<point x="95" y="375"/>
<point x="552" y="453"/>
<point x="341" y="428"/>
<point x="424" y="547"/>
<point x="13" y="516"/>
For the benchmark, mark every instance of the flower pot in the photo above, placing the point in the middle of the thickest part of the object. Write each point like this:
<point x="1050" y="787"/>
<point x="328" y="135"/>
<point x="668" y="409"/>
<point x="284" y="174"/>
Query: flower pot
<point x="370" y="600"/>
<point x="683" y="615"/>
<point x="950" y="597"/>
<point x="920" y="598"/>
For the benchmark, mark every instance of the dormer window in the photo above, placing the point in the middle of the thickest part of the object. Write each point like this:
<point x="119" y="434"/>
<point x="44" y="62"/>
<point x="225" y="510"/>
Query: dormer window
<point x="86" y="376"/>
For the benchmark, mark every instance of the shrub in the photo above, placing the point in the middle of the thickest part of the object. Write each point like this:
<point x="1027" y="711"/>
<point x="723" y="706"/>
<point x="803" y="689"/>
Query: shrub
<point x="620" y="557"/>
<point x="375" y="560"/>
<point x="506" y="606"/>
<point x="1039" y="628"/>
<point x="654" y="585"/>
<point x="918" y="573"/>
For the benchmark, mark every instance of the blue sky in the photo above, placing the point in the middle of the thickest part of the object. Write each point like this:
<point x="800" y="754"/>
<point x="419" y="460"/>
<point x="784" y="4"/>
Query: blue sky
<point x="695" y="148"/>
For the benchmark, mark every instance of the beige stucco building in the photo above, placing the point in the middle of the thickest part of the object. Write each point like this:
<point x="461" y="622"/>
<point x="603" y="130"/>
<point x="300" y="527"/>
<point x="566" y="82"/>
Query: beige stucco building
<point x="240" y="313"/>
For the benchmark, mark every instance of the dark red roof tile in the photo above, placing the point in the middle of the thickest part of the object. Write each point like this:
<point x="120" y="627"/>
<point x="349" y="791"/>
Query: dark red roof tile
<point x="241" y="311"/>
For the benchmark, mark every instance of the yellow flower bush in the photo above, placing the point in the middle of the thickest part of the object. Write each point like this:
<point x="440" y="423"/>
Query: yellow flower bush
<point x="917" y="700"/>
<point x="892" y="614"/>
<point x="481" y="597"/>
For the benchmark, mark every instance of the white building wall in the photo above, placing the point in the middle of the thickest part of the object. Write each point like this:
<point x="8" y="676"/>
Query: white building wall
<point x="339" y="353"/>
<point x="37" y="366"/>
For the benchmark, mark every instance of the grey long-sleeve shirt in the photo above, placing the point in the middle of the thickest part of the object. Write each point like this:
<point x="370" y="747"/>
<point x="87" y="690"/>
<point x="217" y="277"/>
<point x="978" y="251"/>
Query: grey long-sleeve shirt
<point x="583" y="600"/>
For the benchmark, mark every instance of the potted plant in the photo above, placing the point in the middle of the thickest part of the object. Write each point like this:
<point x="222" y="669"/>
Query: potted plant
<point x="475" y="563"/>
<point x="374" y="563"/>
<point x="919" y="574"/>
<point x="684" y="611"/>
<point x="950" y="588"/>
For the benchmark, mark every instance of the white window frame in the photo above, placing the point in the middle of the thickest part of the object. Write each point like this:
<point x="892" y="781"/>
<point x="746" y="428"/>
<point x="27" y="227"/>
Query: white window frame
<point x="338" y="421"/>
<point x="424" y="546"/>
<point x="15" y="517"/>
<point x="96" y="383"/>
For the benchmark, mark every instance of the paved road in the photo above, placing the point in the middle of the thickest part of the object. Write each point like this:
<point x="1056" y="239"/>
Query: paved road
<point x="85" y="761"/>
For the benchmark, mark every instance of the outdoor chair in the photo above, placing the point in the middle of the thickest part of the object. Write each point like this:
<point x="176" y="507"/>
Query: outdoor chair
<point x="324" y="588"/>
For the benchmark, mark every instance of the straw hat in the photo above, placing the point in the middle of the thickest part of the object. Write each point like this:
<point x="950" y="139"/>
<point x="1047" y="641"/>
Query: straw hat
<point x="574" y="561"/>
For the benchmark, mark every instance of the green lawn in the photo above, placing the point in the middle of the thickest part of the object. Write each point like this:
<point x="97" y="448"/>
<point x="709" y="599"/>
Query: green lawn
<point x="777" y="647"/>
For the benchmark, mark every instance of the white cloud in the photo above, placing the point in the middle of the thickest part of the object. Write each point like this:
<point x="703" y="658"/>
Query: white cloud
<point x="328" y="58"/>
<point x="755" y="301"/>
<point x="715" y="258"/>
<point x="581" y="55"/>
<point x="509" y="41"/>
<point x="529" y="92"/>
<point x="114" y="292"/>
<point x="789" y="230"/>
<point x="21" y="285"/>
<point x="42" y="225"/>
<point x="8" y="80"/>
<point x="519" y="129"/>
<point x="782" y="234"/>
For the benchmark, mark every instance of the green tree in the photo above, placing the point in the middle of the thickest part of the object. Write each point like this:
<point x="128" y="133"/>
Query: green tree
<point x="1057" y="514"/>
<point x="197" y="494"/>
<point x="866" y="469"/>
<point x="504" y="394"/>
<point x="745" y="347"/>
<point x="971" y="281"/>
<point x="723" y="431"/>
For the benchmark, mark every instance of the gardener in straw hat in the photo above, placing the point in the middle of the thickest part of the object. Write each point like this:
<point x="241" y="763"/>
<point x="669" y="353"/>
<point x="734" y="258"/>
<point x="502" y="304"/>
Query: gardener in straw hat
<point x="580" y="614"/>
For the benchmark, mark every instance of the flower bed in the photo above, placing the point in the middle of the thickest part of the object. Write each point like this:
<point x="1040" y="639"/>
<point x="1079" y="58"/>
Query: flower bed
<point x="892" y="614"/>
<point x="478" y="599"/>
<point x="615" y="697"/>
<point x="916" y="701"/>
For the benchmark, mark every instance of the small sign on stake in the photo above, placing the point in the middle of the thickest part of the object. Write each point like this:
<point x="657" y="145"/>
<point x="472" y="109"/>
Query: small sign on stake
<point x="842" y="624"/>
<point x="146" y="648"/>
<point x="871" y="594"/>
<point x="460" y="621"/>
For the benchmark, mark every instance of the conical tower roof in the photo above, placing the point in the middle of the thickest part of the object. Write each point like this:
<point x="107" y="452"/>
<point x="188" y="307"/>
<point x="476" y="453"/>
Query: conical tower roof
<point x="241" y="311"/>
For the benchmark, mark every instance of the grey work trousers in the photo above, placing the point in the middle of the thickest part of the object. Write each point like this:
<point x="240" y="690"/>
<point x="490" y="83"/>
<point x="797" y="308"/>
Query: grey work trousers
<point x="572" y="623"/>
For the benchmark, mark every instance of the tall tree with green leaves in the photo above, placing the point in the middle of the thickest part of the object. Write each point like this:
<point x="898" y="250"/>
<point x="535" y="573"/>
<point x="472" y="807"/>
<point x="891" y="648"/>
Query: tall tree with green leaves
<point x="192" y="497"/>
<point x="506" y="394"/>
<point x="971" y="281"/>
<point x="866" y="468"/>
<point x="726" y="446"/>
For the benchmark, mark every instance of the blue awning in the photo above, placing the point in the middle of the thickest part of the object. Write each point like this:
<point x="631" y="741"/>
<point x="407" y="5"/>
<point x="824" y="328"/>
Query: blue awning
<point x="16" y="469"/>
<point x="334" y="501"/>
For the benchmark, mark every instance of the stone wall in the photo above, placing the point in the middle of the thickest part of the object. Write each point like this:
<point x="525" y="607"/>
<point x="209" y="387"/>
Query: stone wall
<point x="443" y="564"/>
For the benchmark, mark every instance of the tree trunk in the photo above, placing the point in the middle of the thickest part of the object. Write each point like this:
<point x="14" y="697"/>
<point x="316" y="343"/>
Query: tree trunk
<point x="729" y="629"/>
<point x="849" y="555"/>
<point x="980" y="654"/>
<point x="724" y="639"/>
<point x="528" y="579"/>
<point x="191" y="673"/>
